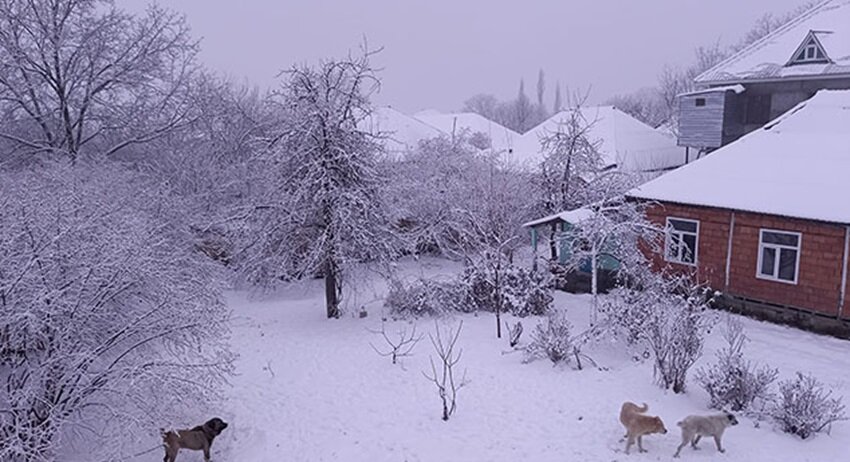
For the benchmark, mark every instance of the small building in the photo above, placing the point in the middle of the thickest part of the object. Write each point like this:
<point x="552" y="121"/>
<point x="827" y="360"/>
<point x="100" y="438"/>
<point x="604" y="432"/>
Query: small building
<point x="400" y="133"/>
<point x="767" y="78"/>
<point x="766" y="219"/>
<point x="554" y="236"/>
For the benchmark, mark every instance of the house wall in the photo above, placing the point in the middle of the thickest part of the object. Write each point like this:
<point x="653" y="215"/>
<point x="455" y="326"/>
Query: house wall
<point x="818" y="286"/>
<point x="701" y="126"/>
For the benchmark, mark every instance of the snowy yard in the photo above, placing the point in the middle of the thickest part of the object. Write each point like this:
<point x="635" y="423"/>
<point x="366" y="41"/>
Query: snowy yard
<point x="313" y="389"/>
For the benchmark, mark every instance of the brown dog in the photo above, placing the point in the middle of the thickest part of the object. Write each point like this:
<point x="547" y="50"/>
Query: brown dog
<point x="199" y="438"/>
<point x="637" y="424"/>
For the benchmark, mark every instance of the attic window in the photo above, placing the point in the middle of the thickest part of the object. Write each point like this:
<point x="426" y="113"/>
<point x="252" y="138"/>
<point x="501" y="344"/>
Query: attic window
<point x="810" y="52"/>
<point x="699" y="102"/>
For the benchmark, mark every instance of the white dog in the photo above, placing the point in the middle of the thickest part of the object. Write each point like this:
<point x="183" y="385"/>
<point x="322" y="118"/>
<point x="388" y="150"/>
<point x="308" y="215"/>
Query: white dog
<point x="695" y="427"/>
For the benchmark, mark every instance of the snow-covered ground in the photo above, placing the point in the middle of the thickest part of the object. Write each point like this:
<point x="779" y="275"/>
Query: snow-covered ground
<point x="313" y="389"/>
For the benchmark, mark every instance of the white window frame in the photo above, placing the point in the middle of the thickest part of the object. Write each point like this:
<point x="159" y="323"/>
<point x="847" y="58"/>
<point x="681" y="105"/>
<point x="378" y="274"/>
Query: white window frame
<point x="778" y="247"/>
<point x="670" y="230"/>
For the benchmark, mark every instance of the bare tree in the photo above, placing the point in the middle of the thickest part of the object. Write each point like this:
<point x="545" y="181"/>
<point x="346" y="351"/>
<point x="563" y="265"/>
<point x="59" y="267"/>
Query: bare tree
<point x="322" y="207"/>
<point x="80" y="73"/>
<point x="400" y="346"/>
<point x="444" y="378"/>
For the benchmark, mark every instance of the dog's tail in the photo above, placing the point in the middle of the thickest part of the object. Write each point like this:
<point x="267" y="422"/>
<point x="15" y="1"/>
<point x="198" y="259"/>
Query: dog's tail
<point x="642" y="409"/>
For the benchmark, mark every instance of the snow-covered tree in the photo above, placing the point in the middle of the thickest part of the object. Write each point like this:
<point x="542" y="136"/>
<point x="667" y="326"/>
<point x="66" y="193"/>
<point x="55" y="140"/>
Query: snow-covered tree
<point x="618" y="229"/>
<point x="83" y="76"/>
<point x="321" y="209"/>
<point x="110" y="323"/>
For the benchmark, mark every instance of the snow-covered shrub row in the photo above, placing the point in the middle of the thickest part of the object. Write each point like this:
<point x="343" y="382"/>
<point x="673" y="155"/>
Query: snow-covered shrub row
<point x="551" y="339"/>
<point x="733" y="382"/>
<point x="804" y="407"/>
<point x="522" y="292"/>
<point x="425" y="297"/>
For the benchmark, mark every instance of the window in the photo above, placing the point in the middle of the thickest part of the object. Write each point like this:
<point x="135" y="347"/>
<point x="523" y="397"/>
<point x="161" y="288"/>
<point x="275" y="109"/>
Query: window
<point x="809" y="53"/>
<point x="700" y="102"/>
<point x="779" y="256"/>
<point x="681" y="242"/>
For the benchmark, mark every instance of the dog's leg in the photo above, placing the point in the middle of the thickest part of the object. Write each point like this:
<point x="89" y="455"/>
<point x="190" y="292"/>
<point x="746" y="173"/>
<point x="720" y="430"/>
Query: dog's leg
<point x="207" y="452"/>
<point x="696" y="440"/>
<point x="630" y="442"/>
<point x="685" y="440"/>
<point x="717" y="442"/>
<point x="640" y="444"/>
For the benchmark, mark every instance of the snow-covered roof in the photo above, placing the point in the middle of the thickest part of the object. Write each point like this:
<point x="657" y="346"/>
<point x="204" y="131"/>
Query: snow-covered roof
<point x="570" y="216"/>
<point x="402" y="131"/>
<point x="767" y="59"/>
<point x="502" y="139"/>
<point x="737" y="88"/>
<point x="796" y="166"/>
<point x="625" y="142"/>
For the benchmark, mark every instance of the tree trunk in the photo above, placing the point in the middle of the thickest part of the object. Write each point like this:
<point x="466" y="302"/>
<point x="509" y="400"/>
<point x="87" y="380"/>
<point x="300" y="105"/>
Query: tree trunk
<point x="331" y="293"/>
<point x="498" y="303"/>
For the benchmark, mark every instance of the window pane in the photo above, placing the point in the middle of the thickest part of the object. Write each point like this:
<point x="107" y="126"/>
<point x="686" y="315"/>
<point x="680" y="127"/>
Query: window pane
<point x="673" y="247"/>
<point x="820" y="54"/>
<point x="689" y="250"/>
<point x="810" y="52"/>
<point x="801" y="56"/>
<point x="681" y="225"/>
<point x="769" y="237"/>
<point x="768" y="256"/>
<point x="787" y="264"/>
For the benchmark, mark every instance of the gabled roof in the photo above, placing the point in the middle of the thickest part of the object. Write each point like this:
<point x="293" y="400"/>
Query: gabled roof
<point x="769" y="57"/>
<point x="624" y="142"/>
<point x="570" y="216"/>
<point x="501" y="138"/>
<point x="796" y="166"/>
<point x="402" y="131"/>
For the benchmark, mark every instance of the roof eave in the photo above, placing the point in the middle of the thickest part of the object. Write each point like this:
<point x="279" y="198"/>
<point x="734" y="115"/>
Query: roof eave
<point x="744" y="81"/>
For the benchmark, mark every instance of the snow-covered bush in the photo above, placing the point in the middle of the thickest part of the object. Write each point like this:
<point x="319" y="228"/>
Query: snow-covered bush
<point x="804" y="407"/>
<point x="733" y="382"/>
<point x="523" y="292"/>
<point x="110" y="323"/>
<point x="666" y="316"/>
<point x="551" y="339"/>
<point x="425" y="297"/>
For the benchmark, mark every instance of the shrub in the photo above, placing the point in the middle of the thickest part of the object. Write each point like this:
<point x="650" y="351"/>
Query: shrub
<point x="523" y="292"/>
<point x="424" y="297"/>
<point x="805" y="408"/>
<point x="666" y="316"/>
<point x="551" y="339"/>
<point x="733" y="382"/>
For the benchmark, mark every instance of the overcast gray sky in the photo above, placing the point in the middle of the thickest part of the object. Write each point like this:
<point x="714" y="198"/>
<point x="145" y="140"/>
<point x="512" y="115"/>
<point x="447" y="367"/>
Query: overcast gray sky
<point x="437" y="53"/>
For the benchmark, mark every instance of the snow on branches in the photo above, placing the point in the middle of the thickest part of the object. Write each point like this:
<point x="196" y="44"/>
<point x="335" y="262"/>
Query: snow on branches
<point x="109" y="321"/>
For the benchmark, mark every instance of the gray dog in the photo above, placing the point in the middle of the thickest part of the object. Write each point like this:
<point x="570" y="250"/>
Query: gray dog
<point x="695" y="427"/>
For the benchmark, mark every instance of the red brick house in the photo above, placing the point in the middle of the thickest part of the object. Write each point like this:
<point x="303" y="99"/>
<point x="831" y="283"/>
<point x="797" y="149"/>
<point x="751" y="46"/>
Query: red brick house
<point x="766" y="219"/>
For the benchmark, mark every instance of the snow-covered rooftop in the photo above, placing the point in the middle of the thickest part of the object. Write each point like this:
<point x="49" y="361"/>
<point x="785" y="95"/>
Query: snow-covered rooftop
<point x="796" y="166"/>
<point x="767" y="58"/>
<point x="402" y="131"/>
<point x="625" y="142"/>
<point x="570" y="216"/>
<point x="502" y="139"/>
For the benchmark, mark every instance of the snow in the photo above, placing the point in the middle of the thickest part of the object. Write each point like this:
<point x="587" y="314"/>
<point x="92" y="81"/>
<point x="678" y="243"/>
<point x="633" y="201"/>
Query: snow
<point x="309" y="388"/>
<point x="767" y="58"/>
<point x="795" y="166"/>
<point x="737" y="88"/>
<point x="570" y="216"/>
<point x="626" y="142"/>
<point x="403" y="132"/>
<point x="501" y="138"/>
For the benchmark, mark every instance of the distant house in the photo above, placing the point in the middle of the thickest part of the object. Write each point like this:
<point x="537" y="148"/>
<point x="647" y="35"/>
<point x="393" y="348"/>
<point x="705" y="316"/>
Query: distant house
<point x="766" y="219"/>
<point x="401" y="133"/>
<point x="767" y="78"/>
<point x="498" y="138"/>
<point x="625" y="143"/>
